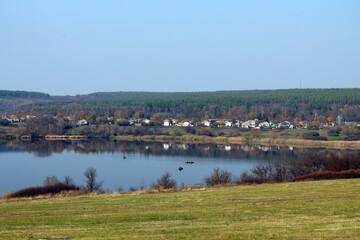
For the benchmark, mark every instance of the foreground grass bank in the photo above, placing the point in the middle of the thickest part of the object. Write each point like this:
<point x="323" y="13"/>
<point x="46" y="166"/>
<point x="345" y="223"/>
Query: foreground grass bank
<point x="305" y="210"/>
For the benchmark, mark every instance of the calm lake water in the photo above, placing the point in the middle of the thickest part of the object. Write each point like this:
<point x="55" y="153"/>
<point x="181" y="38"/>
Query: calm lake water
<point x="24" y="164"/>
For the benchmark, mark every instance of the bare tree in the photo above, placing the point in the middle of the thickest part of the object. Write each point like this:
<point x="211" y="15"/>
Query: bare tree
<point x="68" y="181"/>
<point x="91" y="182"/>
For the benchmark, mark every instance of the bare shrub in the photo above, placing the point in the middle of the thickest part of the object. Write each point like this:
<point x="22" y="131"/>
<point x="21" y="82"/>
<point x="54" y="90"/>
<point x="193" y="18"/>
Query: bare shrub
<point x="245" y="177"/>
<point x="142" y="185"/>
<point x="165" y="182"/>
<point x="280" y="171"/>
<point x="263" y="172"/>
<point x="218" y="177"/>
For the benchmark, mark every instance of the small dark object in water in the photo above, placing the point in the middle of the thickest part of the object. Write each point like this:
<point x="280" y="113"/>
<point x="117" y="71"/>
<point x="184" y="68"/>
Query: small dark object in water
<point x="189" y="162"/>
<point x="124" y="157"/>
<point x="180" y="168"/>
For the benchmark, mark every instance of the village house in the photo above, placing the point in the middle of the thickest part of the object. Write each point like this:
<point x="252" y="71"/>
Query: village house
<point x="237" y="123"/>
<point x="228" y="124"/>
<point x="167" y="123"/>
<point x="249" y="124"/>
<point x="13" y="119"/>
<point x="146" y="121"/>
<point x="301" y="125"/>
<point x="220" y="123"/>
<point x="264" y="125"/>
<point x="134" y="122"/>
<point x="186" y="124"/>
<point x="82" y="122"/>
<point x="206" y="123"/>
<point x="285" y="124"/>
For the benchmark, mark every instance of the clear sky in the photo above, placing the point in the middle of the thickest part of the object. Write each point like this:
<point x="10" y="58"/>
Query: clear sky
<point x="77" y="47"/>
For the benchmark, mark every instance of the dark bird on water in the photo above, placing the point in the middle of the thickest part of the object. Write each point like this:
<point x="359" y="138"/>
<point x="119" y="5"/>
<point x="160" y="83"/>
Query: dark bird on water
<point x="189" y="162"/>
<point x="180" y="168"/>
<point x="124" y="157"/>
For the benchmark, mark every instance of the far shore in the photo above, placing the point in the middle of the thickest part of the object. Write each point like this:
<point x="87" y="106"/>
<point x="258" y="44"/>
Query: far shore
<point x="193" y="139"/>
<point x="300" y="143"/>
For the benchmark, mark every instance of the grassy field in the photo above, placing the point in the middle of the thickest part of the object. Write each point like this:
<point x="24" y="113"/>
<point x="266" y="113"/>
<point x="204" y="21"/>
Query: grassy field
<point x="305" y="210"/>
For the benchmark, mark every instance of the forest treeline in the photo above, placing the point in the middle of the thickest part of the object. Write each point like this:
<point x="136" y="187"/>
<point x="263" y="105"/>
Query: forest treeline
<point x="286" y="104"/>
<point x="23" y="94"/>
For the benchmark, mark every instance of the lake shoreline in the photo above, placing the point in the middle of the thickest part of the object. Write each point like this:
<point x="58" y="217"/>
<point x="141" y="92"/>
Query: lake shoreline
<point x="190" y="139"/>
<point x="193" y="139"/>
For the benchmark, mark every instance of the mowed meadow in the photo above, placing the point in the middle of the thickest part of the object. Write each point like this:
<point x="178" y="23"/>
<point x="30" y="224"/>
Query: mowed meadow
<point x="303" y="210"/>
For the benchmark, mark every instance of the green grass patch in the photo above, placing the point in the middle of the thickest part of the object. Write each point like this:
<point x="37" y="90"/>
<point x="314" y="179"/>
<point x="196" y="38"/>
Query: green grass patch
<point x="263" y="135"/>
<point x="304" y="210"/>
<point x="296" y="133"/>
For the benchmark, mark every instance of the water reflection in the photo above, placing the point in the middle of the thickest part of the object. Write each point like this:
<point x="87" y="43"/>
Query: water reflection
<point x="47" y="148"/>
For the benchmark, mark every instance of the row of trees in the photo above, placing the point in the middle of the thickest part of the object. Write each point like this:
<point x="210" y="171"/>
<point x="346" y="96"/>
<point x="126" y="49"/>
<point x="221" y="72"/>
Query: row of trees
<point x="291" y="104"/>
<point x="23" y="94"/>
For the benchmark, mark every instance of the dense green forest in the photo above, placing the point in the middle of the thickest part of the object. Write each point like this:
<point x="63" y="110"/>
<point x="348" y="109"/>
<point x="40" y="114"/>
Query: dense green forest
<point x="316" y="97"/>
<point x="23" y="94"/>
<point x="300" y="104"/>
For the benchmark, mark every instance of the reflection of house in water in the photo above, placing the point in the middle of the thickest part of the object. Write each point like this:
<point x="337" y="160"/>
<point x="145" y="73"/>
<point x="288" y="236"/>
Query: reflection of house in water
<point x="227" y="148"/>
<point x="80" y="145"/>
<point x="45" y="148"/>
<point x="247" y="148"/>
<point x="264" y="148"/>
<point x="184" y="146"/>
<point x="206" y="148"/>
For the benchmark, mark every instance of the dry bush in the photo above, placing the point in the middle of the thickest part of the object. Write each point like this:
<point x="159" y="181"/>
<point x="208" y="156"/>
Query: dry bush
<point x="334" y="162"/>
<point x="218" y="177"/>
<point x="246" y="178"/>
<point x="165" y="182"/>
<point x="7" y="195"/>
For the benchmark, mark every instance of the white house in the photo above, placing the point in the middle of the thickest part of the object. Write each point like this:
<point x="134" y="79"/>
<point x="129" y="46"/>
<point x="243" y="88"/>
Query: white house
<point x="264" y="125"/>
<point x="82" y="122"/>
<point x="228" y="124"/>
<point x="167" y="123"/>
<point x="249" y="124"/>
<point x="146" y="121"/>
<point x="206" y="123"/>
<point x="186" y="124"/>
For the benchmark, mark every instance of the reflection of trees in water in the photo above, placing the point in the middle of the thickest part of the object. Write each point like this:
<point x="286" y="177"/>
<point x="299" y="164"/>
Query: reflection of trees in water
<point x="46" y="148"/>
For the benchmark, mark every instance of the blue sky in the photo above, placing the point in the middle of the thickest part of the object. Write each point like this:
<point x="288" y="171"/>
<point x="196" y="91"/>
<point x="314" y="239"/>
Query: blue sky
<point x="78" y="47"/>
